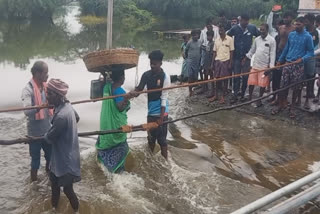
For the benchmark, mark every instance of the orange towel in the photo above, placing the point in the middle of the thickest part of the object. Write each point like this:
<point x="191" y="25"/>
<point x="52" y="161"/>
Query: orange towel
<point x="38" y="100"/>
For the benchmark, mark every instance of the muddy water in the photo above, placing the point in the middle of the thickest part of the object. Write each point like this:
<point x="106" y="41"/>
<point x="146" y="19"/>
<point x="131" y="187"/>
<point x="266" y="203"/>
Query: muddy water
<point x="217" y="163"/>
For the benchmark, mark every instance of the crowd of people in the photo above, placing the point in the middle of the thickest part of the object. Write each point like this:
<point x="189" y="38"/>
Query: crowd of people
<point x="235" y="47"/>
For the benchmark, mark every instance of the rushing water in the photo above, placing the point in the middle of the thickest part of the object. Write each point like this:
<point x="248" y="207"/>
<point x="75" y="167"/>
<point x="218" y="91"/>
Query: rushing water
<point x="217" y="163"/>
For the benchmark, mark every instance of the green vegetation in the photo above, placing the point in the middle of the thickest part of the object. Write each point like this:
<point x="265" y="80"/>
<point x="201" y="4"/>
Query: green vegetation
<point x="92" y="20"/>
<point x="29" y="9"/>
<point x="126" y="13"/>
<point x="200" y="9"/>
<point x="140" y="13"/>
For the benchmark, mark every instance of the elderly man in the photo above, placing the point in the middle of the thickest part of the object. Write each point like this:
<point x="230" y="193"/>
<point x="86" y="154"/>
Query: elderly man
<point x="264" y="49"/>
<point x="63" y="135"/>
<point x="38" y="121"/>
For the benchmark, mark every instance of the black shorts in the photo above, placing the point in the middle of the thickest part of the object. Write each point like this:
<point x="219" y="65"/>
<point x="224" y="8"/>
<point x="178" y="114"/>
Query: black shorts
<point x="159" y="134"/>
<point x="65" y="180"/>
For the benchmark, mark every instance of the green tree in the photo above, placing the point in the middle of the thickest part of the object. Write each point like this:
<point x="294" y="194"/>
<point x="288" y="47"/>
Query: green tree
<point x="126" y="13"/>
<point x="24" y="9"/>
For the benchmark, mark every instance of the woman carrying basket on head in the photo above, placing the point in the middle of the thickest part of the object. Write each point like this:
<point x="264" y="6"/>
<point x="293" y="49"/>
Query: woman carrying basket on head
<point x="113" y="149"/>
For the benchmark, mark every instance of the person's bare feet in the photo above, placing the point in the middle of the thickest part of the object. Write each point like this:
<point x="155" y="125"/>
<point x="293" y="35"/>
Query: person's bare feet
<point x="213" y="99"/>
<point x="306" y="105"/>
<point x="222" y="101"/>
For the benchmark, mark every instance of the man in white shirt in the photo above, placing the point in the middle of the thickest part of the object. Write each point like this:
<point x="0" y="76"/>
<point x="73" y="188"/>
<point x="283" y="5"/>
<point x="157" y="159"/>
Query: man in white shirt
<point x="264" y="49"/>
<point x="204" y="42"/>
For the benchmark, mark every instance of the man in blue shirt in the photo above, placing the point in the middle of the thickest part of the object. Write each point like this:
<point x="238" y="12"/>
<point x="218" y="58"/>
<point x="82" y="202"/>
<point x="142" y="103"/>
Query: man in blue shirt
<point x="156" y="78"/>
<point x="243" y="34"/>
<point x="298" y="49"/>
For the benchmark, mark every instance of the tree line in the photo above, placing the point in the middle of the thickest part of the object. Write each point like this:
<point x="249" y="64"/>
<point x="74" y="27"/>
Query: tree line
<point x="144" y="12"/>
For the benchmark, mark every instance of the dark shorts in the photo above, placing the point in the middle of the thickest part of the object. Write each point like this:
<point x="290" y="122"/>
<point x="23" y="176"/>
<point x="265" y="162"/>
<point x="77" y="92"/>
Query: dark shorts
<point x="292" y="74"/>
<point x="221" y="69"/>
<point x="65" y="180"/>
<point x="159" y="134"/>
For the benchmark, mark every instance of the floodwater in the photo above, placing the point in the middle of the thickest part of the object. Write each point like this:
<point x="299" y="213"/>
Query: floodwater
<point x="217" y="163"/>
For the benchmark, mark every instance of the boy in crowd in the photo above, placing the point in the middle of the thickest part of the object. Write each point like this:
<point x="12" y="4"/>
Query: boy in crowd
<point x="222" y="61"/>
<point x="208" y="56"/>
<point x="193" y="56"/>
<point x="157" y="101"/>
<point x="184" y="71"/>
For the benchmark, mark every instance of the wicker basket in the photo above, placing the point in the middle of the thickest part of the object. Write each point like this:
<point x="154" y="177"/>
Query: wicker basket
<point x="108" y="60"/>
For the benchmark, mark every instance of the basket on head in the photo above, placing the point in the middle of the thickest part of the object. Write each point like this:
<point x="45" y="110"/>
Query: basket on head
<point x="108" y="60"/>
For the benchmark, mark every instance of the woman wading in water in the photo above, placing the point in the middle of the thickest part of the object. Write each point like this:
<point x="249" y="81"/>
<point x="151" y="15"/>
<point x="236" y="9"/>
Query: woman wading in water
<point x="113" y="149"/>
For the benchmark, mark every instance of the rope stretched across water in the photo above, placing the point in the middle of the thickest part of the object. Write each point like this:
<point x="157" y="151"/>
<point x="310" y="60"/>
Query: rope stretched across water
<point x="150" y="126"/>
<point x="152" y="90"/>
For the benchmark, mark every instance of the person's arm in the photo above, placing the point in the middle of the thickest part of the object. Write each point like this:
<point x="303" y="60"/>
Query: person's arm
<point x="57" y="128"/>
<point x="214" y="54"/>
<point x="164" y="97"/>
<point x="252" y="50"/>
<point x="256" y="31"/>
<point x="202" y="36"/>
<point x="231" y="32"/>
<point x="272" y="53"/>
<point x="213" y="59"/>
<point x="284" y="53"/>
<point x="316" y="41"/>
<point x="26" y="98"/>
<point x="142" y="83"/>
<point x="309" y="49"/>
<point x="76" y="115"/>
<point x="231" y="60"/>
<point x="121" y="102"/>
<point x="231" y="51"/>
<point x="186" y="50"/>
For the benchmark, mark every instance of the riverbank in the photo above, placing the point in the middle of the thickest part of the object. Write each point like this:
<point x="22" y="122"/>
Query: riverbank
<point x="308" y="119"/>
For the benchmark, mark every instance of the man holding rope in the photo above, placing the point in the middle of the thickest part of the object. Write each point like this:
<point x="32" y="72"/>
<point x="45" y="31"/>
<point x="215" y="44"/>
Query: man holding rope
<point x="38" y="120"/>
<point x="158" y="103"/>
<point x="63" y="135"/>
<point x="264" y="49"/>
<point x="298" y="49"/>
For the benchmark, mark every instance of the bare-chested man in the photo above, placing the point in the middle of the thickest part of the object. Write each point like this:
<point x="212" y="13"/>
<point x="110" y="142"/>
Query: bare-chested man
<point x="284" y="31"/>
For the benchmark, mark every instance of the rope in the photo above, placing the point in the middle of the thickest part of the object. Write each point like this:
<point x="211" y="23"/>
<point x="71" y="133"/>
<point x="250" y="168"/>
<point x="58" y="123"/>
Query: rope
<point x="153" y="90"/>
<point x="149" y="126"/>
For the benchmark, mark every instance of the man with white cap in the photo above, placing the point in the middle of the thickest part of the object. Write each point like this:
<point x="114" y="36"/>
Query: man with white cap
<point x="63" y="135"/>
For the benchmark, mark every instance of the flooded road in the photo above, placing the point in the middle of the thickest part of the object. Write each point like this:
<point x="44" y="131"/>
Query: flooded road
<point x="217" y="163"/>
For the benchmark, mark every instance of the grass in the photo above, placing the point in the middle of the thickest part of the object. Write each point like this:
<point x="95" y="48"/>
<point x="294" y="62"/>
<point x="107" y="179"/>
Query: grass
<point x="92" y="20"/>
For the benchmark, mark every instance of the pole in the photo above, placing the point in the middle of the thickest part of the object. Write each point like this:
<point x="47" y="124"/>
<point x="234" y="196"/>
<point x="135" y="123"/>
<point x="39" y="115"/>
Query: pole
<point x="268" y="199"/>
<point x="296" y="201"/>
<point x="109" y="24"/>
